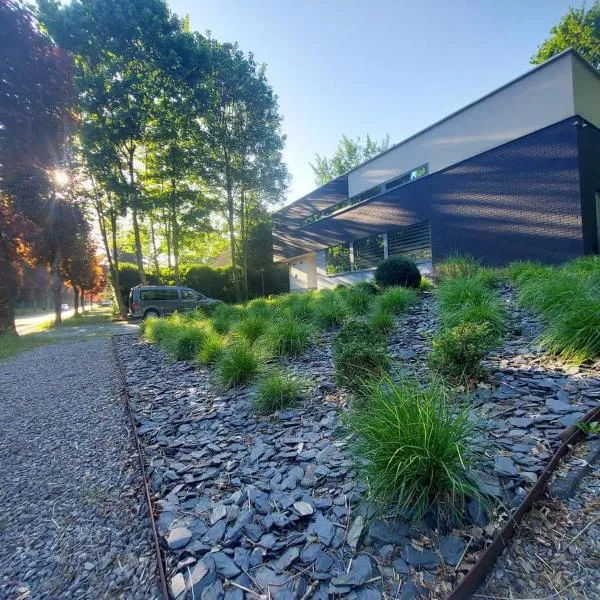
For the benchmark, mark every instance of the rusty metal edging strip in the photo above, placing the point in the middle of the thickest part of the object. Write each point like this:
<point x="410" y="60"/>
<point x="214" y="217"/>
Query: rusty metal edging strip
<point x="159" y="557"/>
<point x="480" y="570"/>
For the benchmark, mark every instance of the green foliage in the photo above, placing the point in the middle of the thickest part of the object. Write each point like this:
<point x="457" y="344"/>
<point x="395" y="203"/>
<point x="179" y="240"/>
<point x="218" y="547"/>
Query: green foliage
<point x="349" y="154"/>
<point x="397" y="300"/>
<point x="184" y="341"/>
<point x="330" y="311"/>
<point x="415" y="449"/>
<point x="358" y="299"/>
<point x="578" y="29"/>
<point x="212" y="349"/>
<point x="251" y="328"/>
<point x="298" y="306"/>
<point x="457" y="266"/>
<point x="457" y="352"/>
<point x="287" y="336"/>
<point x="224" y="317"/>
<point x="239" y="363"/>
<point x="382" y="321"/>
<point x="368" y="287"/>
<point x="398" y="271"/>
<point x="259" y="308"/>
<point x="488" y="310"/>
<point x="359" y="355"/>
<point x="156" y="330"/>
<point x="276" y="391"/>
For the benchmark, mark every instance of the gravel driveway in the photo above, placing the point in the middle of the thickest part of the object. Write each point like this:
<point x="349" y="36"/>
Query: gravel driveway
<point x="73" y="523"/>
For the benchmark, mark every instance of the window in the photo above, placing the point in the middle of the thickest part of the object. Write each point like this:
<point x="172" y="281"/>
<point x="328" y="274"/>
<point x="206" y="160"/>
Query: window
<point x="413" y="241"/>
<point x="368" y="252"/>
<point x="160" y="294"/>
<point x="368" y="194"/>
<point x="190" y="295"/>
<point x="337" y="259"/>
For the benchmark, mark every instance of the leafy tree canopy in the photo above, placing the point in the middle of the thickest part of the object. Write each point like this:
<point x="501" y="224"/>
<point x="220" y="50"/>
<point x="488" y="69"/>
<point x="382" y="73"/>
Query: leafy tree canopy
<point x="349" y="154"/>
<point x="578" y="29"/>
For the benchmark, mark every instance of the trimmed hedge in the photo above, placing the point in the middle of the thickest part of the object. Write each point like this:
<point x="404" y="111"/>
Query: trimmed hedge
<point x="398" y="270"/>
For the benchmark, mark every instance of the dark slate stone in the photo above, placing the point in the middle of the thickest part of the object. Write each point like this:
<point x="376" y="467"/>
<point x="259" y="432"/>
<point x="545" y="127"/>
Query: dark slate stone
<point x="225" y="565"/>
<point x="253" y="531"/>
<point x="360" y="571"/>
<point x="522" y="422"/>
<point x="309" y="554"/>
<point x="178" y="537"/>
<point x="215" y="533"/>
<point x="388" y="533"/>
<point x="505" y="467"/>
<point x="256" y="557"/>
<point x="201" y="576"/>
<point x="557" y="406"/>
<point x="452" y="548"/>
<point x="323" y="528"/>
<point x="419" y="558"/>
<point x="323" y="561"/>
<point x="241" y="556"/>
<point x="409" y="591"/>
<point x="571" y="419"/>
<point x="287" y="558"/>
<point x="477" y="513"/>
<point x="401" y="566"/>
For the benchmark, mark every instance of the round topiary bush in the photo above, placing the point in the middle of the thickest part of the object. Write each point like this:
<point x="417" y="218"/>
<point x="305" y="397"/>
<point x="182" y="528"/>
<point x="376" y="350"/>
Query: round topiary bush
<point x="398" y="270"/>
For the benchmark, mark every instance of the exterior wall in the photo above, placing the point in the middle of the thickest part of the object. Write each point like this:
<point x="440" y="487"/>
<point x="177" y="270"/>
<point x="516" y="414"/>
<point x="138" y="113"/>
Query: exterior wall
<point x="519" y="201"/>
<point x="303" y="273"/>
<point x="541" y="98"/>
<point x="586" y="85"/>
<point x="589" y="165"/>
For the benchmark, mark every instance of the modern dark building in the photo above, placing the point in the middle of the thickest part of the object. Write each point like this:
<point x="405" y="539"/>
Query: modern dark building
<point x="514" y="175"/>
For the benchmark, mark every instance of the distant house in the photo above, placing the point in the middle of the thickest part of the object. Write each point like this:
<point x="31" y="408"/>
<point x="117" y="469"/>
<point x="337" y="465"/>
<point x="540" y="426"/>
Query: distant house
<point x="514" y="175"/>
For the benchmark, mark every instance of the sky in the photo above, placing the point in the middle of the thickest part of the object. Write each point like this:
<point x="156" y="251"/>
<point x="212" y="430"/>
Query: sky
<point x="378" y="67"/>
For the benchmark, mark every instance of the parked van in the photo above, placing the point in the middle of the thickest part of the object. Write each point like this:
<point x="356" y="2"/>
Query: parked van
<point x="157" y="300"/>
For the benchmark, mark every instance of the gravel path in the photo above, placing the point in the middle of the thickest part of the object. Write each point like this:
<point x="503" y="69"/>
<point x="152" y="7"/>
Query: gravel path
<point x="73" y="523"/>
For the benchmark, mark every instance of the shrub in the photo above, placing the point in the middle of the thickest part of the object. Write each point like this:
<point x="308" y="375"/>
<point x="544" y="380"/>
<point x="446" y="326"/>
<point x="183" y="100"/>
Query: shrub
<point x="457" y="352"/>
<point x="183" y="342"/>
<point x="457" y="266"/>
<point x="251" y="328"/>
<point x="212" y="349"/>
<point x="277" y="391"/>
<point x="287" y="336"/>
<point x="359" y="355"/>
<point x="238" y="364"/>
<point x="398" y="270"/>
<point x="415" y="450"/>
<point x="383" y="322"/>
<point x="330" y="311"/>
<point x="396" y="300"/>
<point x="357" y="330"/>
<point x="358" y="300"/>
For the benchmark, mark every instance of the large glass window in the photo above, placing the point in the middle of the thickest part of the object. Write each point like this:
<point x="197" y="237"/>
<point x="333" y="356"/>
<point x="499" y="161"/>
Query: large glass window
<point x="337" y="259"/>
<point x="367" y="194"/>
<point x="368" y="252"/>
<point x="160" y="294"/>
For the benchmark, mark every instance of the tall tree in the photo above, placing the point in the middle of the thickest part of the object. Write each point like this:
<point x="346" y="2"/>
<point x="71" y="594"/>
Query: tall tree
<point x="242" y="133"/>
<point x="578" y="29"/>
<point x="349" y="154"/>
<point x="36" y="87"/>
<point x="123" y="51"/>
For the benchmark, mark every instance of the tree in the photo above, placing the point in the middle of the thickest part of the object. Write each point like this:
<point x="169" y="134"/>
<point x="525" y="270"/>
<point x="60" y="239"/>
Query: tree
<point x="124" y="51"/>
<point x="349" y="154"/>
<point x="36" y="86"/>
<point x="242" y="132"/>
<point x="578" y="29"/>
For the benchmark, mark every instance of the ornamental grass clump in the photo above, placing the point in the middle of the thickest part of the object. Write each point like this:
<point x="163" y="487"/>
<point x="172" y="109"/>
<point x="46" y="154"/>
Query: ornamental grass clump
<point x="298" y="306"/>
<point x="330" y="311"/>
<point x="288" y="336"/>
<point x="383" y="322"/>
<point x="154" y="330"/>
<point x="259" y="307"/>
<point x="415" y="449"/>
<point x="397" y="300"/>
<point x="358" y="300"/>
<point x="238" y="363"/>
<point x="457" y="266"/>
<point x="212" y="348"/>
<point x="225" y="316"/>
<point x="277" y="390"/>
<point x="184" y="340"/>
<point x="251" y="327"/>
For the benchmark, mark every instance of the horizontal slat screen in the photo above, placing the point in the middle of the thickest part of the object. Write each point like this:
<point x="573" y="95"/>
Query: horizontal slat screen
<point x="413" y="240"/>
<point x="368" y="252"/>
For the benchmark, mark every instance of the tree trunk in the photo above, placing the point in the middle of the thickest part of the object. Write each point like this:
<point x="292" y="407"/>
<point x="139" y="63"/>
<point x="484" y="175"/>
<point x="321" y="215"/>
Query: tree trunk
<point x="8" y="289"/>
<point x="154" y="250"/>
<point x="234" y="259"/>
<point x="244" y="235"/>
<point x="113" y="259"/>
<point x="56" y="285"/>
<point x="138" y="247"/>
<point x="75" y="299"/>
<point x="175" y="233"/>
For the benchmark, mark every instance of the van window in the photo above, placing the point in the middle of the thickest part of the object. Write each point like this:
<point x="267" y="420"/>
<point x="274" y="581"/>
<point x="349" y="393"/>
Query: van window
<point x="190" y="295"/>
<point x="160" y="294"/>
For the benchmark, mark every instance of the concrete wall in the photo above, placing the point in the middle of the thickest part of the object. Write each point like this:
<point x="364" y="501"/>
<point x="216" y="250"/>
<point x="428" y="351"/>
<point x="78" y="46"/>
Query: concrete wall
<point x="303" y="273"/>
<point x="539" y="99"/>
<point x="587" y="92"/>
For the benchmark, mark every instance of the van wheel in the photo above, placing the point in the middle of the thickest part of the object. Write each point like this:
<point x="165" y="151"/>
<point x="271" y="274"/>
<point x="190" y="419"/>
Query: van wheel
<point x="151" y="314"/>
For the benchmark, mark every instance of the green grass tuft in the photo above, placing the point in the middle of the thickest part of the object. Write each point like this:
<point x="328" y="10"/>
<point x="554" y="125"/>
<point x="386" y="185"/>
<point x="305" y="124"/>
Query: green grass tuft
<point x="330" y="311"/>
<point x="457" y="266"/>
<point x="358" y="300"/>
<point x="183" y="342"/>
<point x="225" y="316"/>
<point x="415" y="449"/>
<point x="383" y="322"/>
<point x="397" y="300"/>
<point x="288" y="336"/>
<point x="239" y="363"/>
<point x="276" y="391"/>
<point x="212" y="349"/>
<point x="251" y="328"/>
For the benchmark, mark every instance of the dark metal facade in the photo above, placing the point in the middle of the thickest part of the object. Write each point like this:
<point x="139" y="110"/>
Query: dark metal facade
<point x="522" y="200"/>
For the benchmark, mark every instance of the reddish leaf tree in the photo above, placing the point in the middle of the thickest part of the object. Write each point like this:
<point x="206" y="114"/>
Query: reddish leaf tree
<point x="36" y="86"/>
